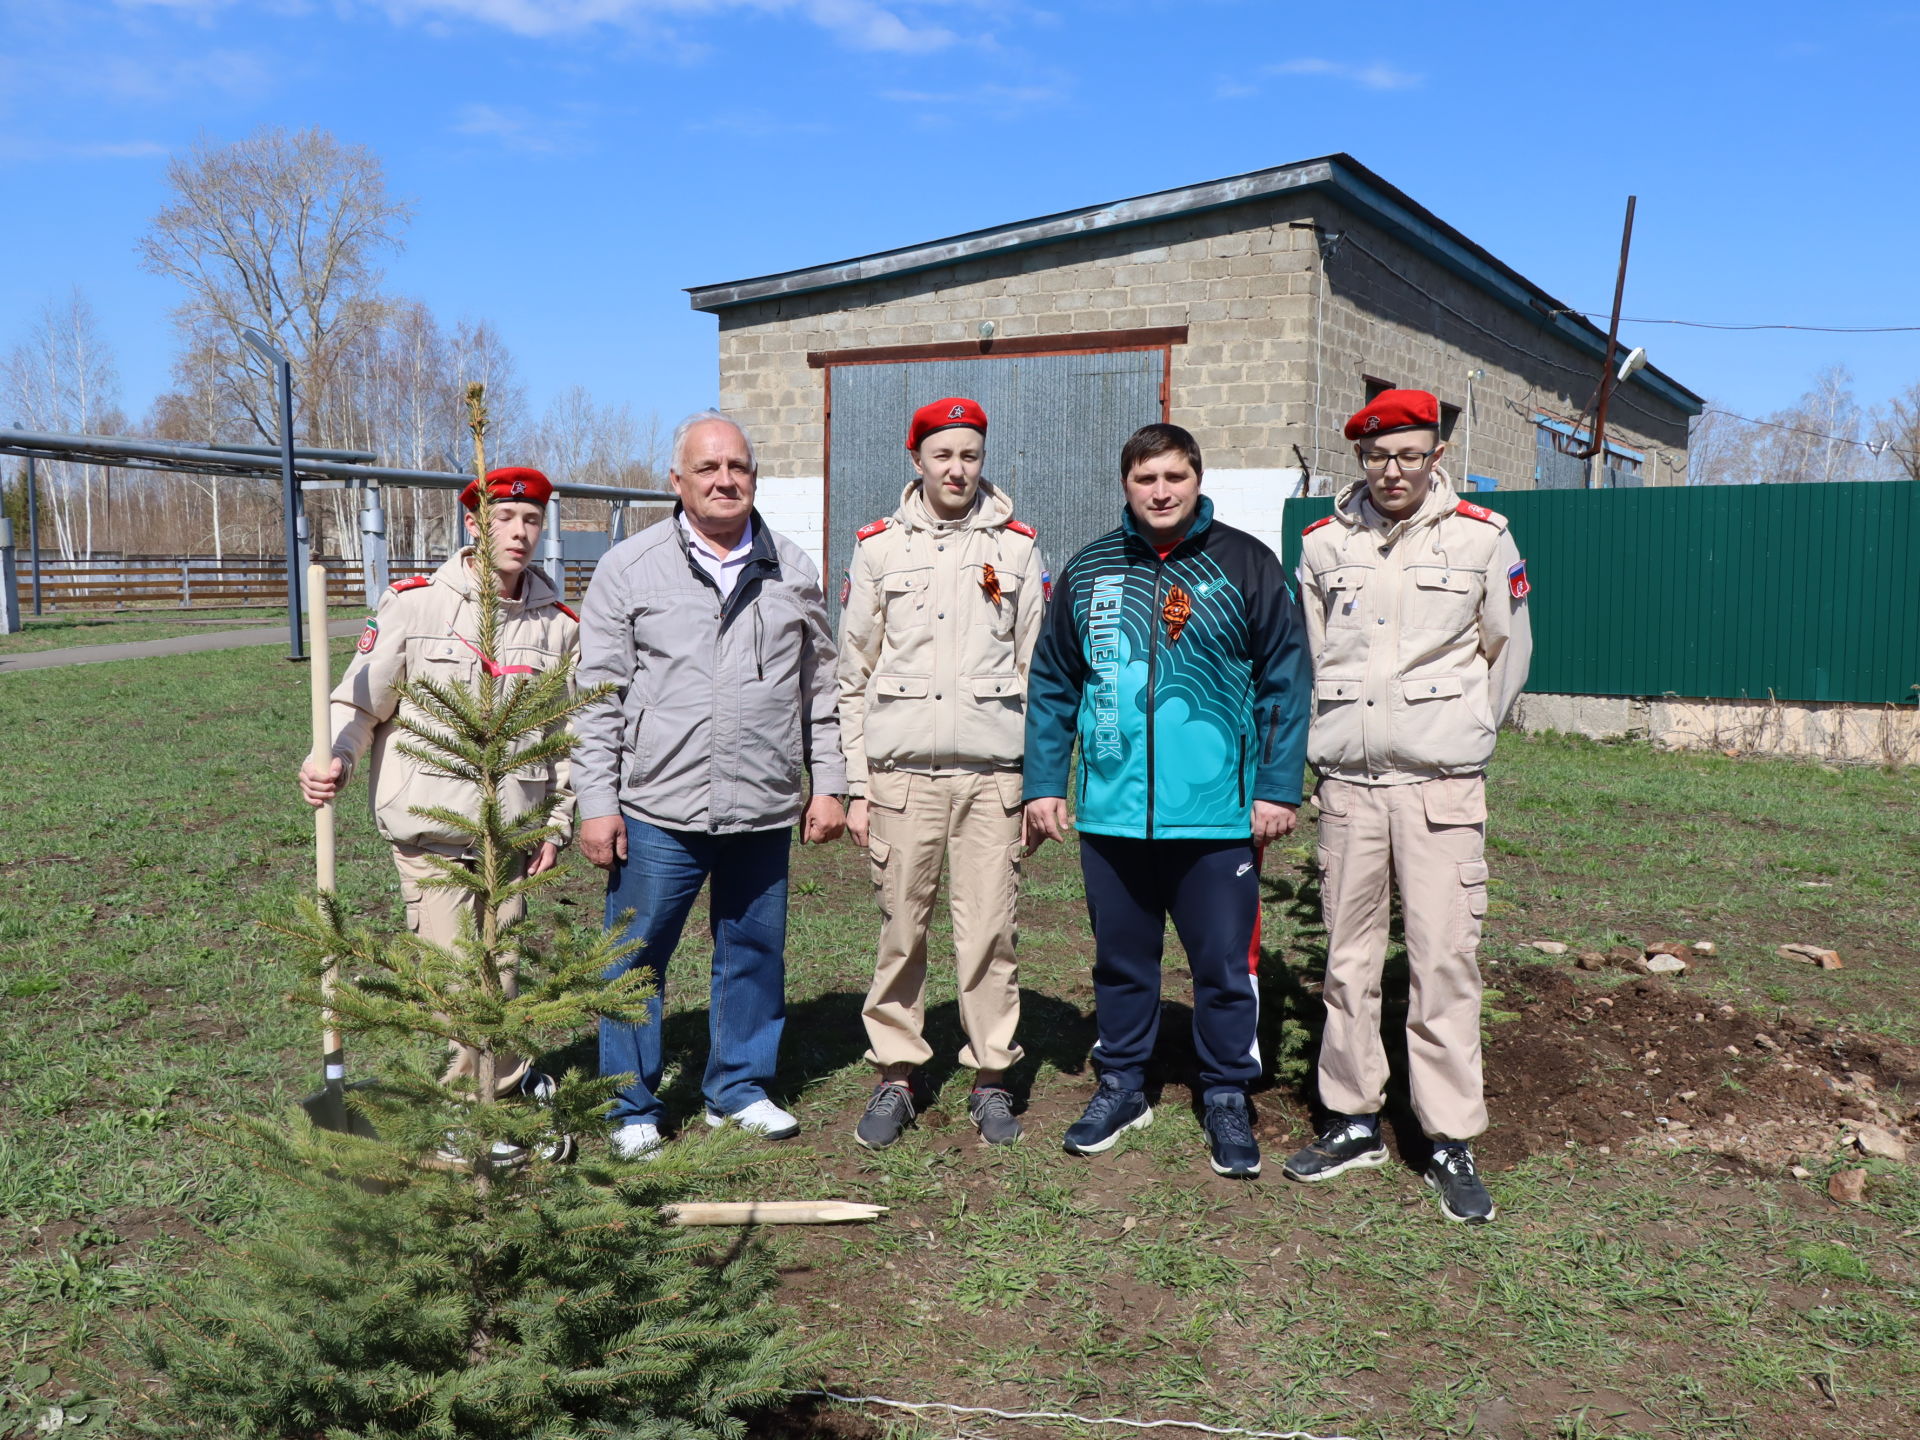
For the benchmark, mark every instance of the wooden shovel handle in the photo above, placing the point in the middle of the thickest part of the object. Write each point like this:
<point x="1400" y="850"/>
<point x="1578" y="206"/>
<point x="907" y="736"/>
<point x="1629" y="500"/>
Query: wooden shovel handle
<point x="320" y="674"/>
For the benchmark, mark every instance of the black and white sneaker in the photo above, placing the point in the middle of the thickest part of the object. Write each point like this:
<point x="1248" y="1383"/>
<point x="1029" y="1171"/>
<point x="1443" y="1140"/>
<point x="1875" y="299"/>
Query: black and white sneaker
<point x="1229" y="1127"/>
<point x="1455" y="1178"/>
<point x="1113" y="1110"/>
<point x="889" y="1111"/>
<point x="1349" y="1142"/>
<point x="991" y="1110"/>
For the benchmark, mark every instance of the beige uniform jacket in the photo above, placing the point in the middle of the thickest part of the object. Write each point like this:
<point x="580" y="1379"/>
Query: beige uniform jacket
<point x="421" y="632"/>
<point x="933" y="669"/>
<point x="1420" y="645"/>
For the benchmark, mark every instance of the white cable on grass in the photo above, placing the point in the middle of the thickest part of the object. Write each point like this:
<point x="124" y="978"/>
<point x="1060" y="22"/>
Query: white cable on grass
<point x="1067" y="1415"/>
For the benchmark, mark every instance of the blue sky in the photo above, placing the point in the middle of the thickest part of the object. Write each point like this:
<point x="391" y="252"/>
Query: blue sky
<point x="575" y="163"/>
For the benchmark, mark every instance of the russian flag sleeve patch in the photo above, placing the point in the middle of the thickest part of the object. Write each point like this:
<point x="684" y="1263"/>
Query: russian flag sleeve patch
<point x="1517" y="585"/>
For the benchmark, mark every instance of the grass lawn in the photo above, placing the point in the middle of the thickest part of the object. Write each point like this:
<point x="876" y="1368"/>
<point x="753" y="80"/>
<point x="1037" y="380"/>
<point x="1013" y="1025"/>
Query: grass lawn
<point x="58" y="630"/>
<point x="1657" y="1269"/>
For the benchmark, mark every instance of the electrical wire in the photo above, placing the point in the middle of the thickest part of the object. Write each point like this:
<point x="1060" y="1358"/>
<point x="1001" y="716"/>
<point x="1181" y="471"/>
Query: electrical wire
<point x="1811" y="434"/>
<point x="1619" y="398"/>
<point x="1717" y="325"/>
<point x="1066" y="1415"/>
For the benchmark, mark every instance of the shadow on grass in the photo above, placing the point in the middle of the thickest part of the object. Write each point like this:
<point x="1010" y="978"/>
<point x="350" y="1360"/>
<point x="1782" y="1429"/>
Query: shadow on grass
<point x="1293" y="1016"/>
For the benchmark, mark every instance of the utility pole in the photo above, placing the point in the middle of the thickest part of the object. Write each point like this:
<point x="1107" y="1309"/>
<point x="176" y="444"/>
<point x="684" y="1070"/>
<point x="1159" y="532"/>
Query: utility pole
<point x="1597" y="472"/>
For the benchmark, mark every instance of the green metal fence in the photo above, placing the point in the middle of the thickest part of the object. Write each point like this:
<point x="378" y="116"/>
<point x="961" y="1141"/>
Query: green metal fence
<point x="1808" y="592"/>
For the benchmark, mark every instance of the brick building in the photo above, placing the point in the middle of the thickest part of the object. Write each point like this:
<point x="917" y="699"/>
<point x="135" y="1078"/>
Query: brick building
<point x="1258" y="311"/>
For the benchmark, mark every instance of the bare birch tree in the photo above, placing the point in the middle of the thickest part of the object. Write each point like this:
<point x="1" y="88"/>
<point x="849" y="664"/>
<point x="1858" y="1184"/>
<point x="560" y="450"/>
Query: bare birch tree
<point x="62" y="378"/>
<point x="1900" y="428"/>
<point x="203" y="412"/>
<point x="280" y="232"/>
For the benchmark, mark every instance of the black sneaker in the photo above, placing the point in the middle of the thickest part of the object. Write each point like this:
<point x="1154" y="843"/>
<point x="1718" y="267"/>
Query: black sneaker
<point x="1349" y="1142"/>
<point x="1113" y="1109"/>
<point x="991" y="1110"/>
<point x="889" y="1111"/>
<point x="1453" y="1175"/>
<point x="1229" y="1127"/>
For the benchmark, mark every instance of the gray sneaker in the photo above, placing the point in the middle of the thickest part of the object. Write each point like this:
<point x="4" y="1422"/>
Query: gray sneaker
<point x="991" y="1110"/>
<point x="889" y="1111"/>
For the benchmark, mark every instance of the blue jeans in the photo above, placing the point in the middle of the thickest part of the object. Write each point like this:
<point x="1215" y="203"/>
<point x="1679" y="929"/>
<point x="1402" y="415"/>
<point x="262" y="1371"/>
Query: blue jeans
<point x="658" y="882"/>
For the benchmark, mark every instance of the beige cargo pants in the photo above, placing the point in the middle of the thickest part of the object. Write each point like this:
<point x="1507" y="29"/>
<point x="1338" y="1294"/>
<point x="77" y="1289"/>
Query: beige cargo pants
<point x="1430" y="838"/>
<point x="434" y="913"/>
<point x="972" y="822"/>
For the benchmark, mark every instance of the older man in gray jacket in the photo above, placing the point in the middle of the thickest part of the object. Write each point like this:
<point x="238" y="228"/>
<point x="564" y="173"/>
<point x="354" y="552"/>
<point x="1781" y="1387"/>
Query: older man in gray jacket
<point x="713" y="630"/>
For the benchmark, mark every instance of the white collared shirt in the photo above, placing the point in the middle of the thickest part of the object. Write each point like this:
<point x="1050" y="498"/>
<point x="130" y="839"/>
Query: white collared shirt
<point x="724" y="570"/>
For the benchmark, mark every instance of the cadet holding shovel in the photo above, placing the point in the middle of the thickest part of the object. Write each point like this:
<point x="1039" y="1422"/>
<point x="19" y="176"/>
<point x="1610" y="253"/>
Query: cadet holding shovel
<point x="424" y="630"/>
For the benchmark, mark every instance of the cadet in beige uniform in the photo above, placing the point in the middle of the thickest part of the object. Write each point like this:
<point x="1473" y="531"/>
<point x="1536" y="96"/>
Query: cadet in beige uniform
<point x="1416" y="613"/>
<point x="940" y="613"/>
<point x="425" y="629"/>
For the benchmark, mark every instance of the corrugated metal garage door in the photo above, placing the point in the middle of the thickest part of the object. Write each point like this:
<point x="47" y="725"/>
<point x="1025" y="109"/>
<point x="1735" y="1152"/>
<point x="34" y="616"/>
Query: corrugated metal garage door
<point x="1055" y="427"/>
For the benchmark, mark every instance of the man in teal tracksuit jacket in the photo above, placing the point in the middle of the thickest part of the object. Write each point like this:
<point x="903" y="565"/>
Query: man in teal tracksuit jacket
<point x="1175" y="653"/>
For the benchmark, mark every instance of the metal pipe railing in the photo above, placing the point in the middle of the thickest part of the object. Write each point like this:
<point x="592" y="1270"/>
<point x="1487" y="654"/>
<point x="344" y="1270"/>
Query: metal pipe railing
<point x="198" y="459"/>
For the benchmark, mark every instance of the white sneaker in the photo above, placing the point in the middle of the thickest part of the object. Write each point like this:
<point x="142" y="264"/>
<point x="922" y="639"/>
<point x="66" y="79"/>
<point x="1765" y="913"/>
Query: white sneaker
<point x="762" y="1117"/>
<point x="636" y="1142"/>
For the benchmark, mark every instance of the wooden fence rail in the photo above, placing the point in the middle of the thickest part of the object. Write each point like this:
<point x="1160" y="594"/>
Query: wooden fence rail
<point x="192" y="584"/>
<point x="133" y="585"/>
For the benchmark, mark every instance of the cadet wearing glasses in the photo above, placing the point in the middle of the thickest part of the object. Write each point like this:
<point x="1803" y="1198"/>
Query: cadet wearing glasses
<point x="1416" y="614"/>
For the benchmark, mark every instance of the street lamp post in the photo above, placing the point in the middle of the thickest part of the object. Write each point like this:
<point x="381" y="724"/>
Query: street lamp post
<point x="289" y="487"/>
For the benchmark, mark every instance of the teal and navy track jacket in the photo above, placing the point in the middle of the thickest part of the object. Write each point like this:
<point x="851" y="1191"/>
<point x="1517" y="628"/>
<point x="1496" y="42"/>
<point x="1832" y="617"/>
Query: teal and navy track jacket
<point x="1182" y="723"/>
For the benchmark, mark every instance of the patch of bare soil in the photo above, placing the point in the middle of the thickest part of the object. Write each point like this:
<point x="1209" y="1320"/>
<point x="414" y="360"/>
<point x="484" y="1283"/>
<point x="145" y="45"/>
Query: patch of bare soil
<point x="1650" y="1063"/>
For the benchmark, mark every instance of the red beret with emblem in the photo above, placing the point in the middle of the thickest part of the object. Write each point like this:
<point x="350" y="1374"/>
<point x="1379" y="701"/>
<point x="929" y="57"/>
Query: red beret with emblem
<point x="516" y="482"/>
<point x="944" y="415"/>
<point x="1392" y="410"/>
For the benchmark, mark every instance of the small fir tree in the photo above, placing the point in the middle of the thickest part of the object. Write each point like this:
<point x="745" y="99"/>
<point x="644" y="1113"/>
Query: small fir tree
<point x="449" y="1278"/>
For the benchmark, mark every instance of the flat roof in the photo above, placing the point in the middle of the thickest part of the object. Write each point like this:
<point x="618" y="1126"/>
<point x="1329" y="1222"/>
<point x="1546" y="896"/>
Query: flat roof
<point x="1341" y="175"/>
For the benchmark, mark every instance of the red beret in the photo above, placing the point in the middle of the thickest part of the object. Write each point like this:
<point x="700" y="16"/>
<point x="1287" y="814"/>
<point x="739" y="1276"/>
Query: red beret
<point x="945" y="415"/>
<point x="1392" y="410"/>
<point x="516" y="482"/>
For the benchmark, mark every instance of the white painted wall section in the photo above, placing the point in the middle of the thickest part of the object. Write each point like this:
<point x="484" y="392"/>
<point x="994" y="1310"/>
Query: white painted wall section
<point x="796" y="507"/>
<point x="1253" y="500"/>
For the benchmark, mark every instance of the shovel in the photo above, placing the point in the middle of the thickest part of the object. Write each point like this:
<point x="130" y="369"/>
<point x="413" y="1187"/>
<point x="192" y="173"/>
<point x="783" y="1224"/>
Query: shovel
<point x="326" y="1107"/>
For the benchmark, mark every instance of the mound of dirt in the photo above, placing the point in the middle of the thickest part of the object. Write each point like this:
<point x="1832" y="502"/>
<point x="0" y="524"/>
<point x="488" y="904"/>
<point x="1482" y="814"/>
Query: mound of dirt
<point x="1650" y="1063"/>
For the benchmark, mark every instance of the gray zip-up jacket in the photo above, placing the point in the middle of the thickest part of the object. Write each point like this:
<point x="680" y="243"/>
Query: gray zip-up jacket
<point x="717" y="707"/>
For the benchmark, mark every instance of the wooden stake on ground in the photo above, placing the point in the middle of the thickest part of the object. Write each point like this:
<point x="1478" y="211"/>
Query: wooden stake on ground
<point x="770" y="1212"/>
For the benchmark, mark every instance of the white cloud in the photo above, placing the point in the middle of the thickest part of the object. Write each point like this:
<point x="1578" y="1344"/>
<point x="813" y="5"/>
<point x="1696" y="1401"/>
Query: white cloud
<point x="861" y="24"/>
<point x="189" y="6"/>
<point x="757" y="124"/>
<point x="17" y="148"/>
<point x="1368" y="77"/>
<point x="513" y="128"/>
<point x="236" y="74"/>
<point x="940" y="107"/>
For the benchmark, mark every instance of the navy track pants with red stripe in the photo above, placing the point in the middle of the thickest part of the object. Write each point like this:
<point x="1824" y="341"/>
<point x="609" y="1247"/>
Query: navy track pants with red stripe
<point x="1211" y="889"/>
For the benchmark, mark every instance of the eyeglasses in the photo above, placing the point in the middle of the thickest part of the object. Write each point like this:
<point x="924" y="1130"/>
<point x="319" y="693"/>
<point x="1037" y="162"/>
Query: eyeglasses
<point x="1412" y="460"/>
